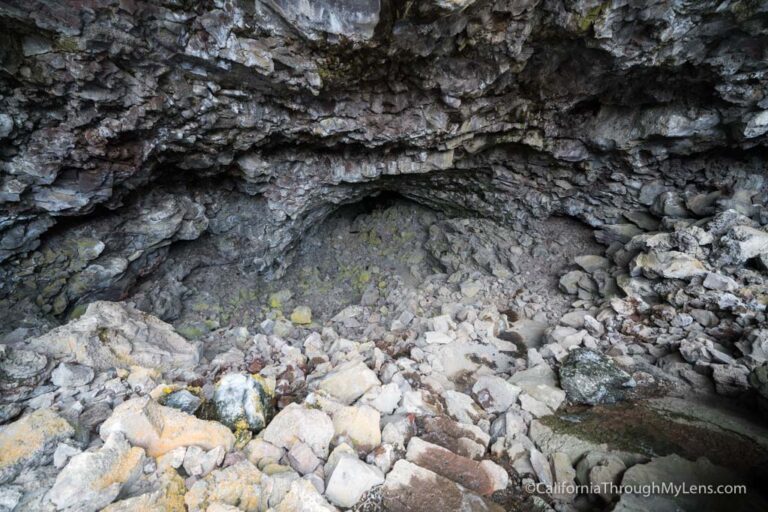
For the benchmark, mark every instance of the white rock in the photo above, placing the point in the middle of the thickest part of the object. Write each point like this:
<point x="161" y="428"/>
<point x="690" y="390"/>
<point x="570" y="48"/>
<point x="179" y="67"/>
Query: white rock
<point x="541" y="467"/>
<point x="92" y="480"/>
<point x="359" y="426"/>
<point x="298" y="424"/>
<point x="384" y="399"/>
<point x="116" y="335"/>
<point x="437" y="338"/>
<point x="303" y="497"/>
<point x="351" y="478"/>
<point x="495" y="394"/>
<point x="260" y="453"/>
<point x="462" y="407"/>
<point x="198" y="462"/>
<point x="63" y="453"/>
<point x="302" y="458"/>
<point x="349" y="381"/>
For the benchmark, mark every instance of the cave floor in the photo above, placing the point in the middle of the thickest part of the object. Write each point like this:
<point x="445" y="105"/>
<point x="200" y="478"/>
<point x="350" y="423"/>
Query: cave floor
<point x="361" y="252"/>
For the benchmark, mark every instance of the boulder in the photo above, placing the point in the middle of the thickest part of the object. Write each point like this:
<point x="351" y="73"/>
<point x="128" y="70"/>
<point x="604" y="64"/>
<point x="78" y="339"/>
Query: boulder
<point x="160" y="429"/>
<point x="409" y="487"/>
<point x="495" y="394"/>
<point x="304" y="497"/>
<point x="590" y="377"/>
<point x="299" y="424"/>
<point x="349" y="381"/>
<point x="358" y="426"/>
<point x="116" y="335"/>
<point x="237" y="486"/>
<point x="351" y="478"/>
<point x="92" y="480"/>
<point x="243" y="401"/>
<point x="30" y="441"/>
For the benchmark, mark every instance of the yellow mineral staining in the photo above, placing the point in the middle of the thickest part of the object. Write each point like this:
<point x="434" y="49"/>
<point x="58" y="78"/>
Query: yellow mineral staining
<point x="24" y="440"/>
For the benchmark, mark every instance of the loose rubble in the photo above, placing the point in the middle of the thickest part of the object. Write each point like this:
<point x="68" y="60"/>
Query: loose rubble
<point x="444" y="394"/>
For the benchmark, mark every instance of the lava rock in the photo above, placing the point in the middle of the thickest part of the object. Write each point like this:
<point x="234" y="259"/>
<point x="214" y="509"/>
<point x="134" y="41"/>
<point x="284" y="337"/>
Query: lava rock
<point x="589" y="377"/>
<point x="243" y="402"/>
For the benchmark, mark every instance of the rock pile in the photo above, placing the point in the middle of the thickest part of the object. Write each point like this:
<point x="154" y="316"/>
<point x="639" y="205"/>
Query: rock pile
<point x="434" y="397"/>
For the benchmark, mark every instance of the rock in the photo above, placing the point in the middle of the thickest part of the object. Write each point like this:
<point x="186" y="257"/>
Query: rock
<point x="542" y="468"/>
<point x="675" y="470"/>
<point x="30" y="441"/>
<point x="495" y="394"/>
<point x="601" y="470"/>
<point x="301" y="315"/>
<point x="63" y="453"/>
<point x="303" y="497"/>
<point x="410" y="487"/>
<point x="470" y="289"/>
<point x="439" y="338"/>
<point x="741" y="243"/>
<point x="462" y="407"/>
<point x="351" y="478"/>
<point x="243" y="402"/>
<point x="182" y="400"/>
<point x="589" y="377"/>
<point x="92" y="480"/>
<point x="165" y="494"/>
<point x="359" y="426"/>
<point x="298" y="424"/>
<point x="302" y="458"/>
<point x="160" y="429"/>
<point x="384" y="399"/>
<point x="670" y="264"/>
<point x="261" y="453"/>
<point x="349" y="381"/>
<point x="198" y="462"/>
<point x="481" y="478"/>
<point x="71" y="375"/>
<point x="540" y="383"/>
<point x="111" y="334"/>
<point x="715" y="281"/>
<point x="237" y="485"/>
<point x="592" y="262"/>
<point x="564" y="476"/>
<point x="20" y="369"/>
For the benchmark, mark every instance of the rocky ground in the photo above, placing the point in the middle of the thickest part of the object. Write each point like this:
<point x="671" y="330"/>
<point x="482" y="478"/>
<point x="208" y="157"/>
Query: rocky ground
<point x="382" y="255"/>
<point x="475" y="362"/>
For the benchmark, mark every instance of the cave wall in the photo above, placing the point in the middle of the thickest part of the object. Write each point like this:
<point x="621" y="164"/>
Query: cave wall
<point x="129" y="126"/>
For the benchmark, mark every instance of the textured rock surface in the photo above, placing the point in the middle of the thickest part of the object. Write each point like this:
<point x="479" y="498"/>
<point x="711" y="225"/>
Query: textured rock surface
<point x="120" y="113"/>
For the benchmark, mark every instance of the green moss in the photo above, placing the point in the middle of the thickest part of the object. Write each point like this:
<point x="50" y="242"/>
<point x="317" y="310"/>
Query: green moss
<point x="590" y="18"/>
<point x="67" y="44"/>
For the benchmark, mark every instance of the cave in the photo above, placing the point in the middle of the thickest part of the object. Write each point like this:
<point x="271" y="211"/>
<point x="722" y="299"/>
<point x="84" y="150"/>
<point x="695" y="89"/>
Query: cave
<point x="383" y="255"/>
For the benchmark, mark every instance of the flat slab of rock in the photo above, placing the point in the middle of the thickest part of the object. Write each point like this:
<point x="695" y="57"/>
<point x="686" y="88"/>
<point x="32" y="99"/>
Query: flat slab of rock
<point x="349" y="382"/>
<point x="115" y="335"/>
<point x="92" y="480"/>
<point x="160" y="429"/>
<point x="30" y="441"/>
<point x="409" y="487"/>
<point x="676" y="470"/>
<point x="467" y="472"/>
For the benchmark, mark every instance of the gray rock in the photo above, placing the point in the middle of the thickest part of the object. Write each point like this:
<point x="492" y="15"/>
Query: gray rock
<point x="182" y="400"/>
<point x="71" y="375"/>
<point x="589" y="377"/>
